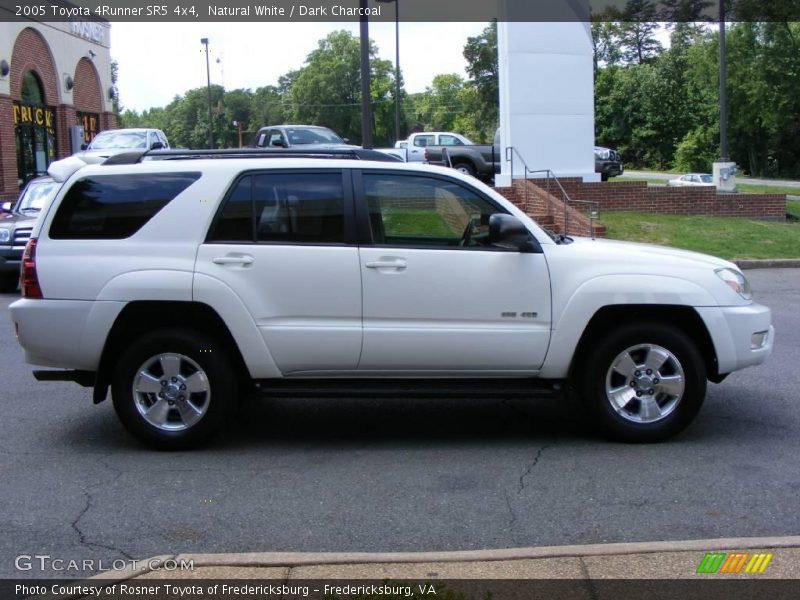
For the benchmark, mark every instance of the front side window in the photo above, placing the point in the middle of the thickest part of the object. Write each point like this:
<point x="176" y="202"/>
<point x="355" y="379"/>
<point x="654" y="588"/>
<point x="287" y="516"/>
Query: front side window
<point x="114" y="207"/>
<point x="291" y="208"/>
<point x="407" y="210"/>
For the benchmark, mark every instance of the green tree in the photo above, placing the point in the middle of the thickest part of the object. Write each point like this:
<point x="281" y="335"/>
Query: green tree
<point x="483" y="70"/>
<point x="327" y="90"/>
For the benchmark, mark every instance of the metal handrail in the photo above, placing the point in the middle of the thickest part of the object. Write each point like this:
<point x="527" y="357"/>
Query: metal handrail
<point x="565" y="198"/>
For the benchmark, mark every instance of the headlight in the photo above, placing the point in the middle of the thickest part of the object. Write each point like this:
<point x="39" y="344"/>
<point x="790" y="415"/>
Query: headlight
<point x="602" y="154"/>
<point x="736" y="281"/>
<point x="5" y="235"/>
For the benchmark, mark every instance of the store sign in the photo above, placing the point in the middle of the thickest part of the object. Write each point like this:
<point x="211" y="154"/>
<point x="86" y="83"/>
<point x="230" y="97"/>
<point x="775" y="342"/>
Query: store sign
<point x="89" y="30"/>
<point x="89" y="122"/>
<point x="34" y="115"/>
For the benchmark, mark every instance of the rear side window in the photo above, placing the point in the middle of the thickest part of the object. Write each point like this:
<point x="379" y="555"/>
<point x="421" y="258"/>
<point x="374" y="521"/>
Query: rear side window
<point x="291" y="208"/>
<point x="114" y="207"/>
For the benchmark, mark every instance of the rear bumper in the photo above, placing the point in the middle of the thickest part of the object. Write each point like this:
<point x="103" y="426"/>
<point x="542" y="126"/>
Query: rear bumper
<point x="743" y="336"/>
<point x="68" y="334"/>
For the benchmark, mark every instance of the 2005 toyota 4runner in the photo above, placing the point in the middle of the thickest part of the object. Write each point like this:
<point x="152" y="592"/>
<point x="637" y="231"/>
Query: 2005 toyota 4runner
<point x="183" y="281"/>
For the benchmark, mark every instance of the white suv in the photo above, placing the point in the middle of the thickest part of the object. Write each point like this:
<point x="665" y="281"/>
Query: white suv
<point x="186" y="281"/>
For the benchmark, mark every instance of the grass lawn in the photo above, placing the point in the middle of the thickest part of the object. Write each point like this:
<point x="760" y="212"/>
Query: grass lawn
<point x="726" y="238"/>
<point x="793" y="206"/>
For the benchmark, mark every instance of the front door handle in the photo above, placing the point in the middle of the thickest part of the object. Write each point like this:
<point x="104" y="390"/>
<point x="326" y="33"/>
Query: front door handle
<point x="233" y="260"/>
<point x="387" y="264"/>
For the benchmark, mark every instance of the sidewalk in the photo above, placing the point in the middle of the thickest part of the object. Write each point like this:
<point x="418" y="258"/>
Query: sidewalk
<point x="640" y="560"/>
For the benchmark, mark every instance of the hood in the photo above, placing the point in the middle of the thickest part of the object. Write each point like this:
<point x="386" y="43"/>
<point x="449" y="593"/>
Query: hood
<point x="635" y="252"/>
<point x="13" y="218"/>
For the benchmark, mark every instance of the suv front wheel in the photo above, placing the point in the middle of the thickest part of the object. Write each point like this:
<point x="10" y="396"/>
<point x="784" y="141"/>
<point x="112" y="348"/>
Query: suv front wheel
<point x="644" y="382"/>
<point x="174" y="388"/>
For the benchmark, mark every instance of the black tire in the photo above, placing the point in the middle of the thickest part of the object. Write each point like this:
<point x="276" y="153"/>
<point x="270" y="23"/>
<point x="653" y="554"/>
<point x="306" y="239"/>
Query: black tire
<point x="9" y="282"/>
<point x="604" y="177"/>
<point x="465" y="168"/>
<point x="592" y="377"/>
<point x="199" y="353"/>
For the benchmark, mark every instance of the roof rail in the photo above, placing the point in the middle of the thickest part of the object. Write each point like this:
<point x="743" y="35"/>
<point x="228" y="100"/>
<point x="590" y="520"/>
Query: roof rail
<point x="129" y="158"/>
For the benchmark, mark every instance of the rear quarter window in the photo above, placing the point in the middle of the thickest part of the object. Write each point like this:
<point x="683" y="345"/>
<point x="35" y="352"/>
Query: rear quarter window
<point x="114" y="207"/>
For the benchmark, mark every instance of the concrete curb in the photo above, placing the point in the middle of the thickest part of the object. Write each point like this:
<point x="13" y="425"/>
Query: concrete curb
<point x="289" y="559"/>
<point x="769" y="263"/>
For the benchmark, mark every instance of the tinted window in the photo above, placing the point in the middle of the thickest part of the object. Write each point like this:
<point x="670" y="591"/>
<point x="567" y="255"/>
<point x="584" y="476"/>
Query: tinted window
<point x="113" y="207"/>
<point x="423" y="140"/>
<point x="235" y="222"/>
<point x="284" y="207"/>
<point x="423" y="211"/>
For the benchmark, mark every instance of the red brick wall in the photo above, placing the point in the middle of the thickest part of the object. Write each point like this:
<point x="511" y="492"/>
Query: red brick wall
<point x="618" y="196"/>
<point x="8" y="151"/>
<point x="87" y="96"/>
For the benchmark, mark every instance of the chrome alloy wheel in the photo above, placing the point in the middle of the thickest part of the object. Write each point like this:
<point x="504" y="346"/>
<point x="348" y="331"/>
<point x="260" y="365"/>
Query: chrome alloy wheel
<point x="645" y="383"/>
<point x="171" y="392"/>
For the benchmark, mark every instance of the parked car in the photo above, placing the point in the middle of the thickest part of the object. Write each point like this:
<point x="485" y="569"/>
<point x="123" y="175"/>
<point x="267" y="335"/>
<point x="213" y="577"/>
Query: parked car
<point x="479" y="160"/>
<point x="415" y="145"/>
<point x="182" y="283"/>
<point x="702" y="179"/>
<point x="16" y="224"/>
<point x="607" y="162"/>
<point x="294" y="136"/>
<point x="116" y="141"/>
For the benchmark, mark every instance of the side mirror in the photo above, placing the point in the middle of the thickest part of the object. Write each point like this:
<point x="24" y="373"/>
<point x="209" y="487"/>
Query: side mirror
<point x="507" y="231"/>
<point x="346" y="140"/>
<point x="6" y="206"/>
<point x="278" y="144"/>
<point x="156" y="146"/>
<point x="84" y="146"/>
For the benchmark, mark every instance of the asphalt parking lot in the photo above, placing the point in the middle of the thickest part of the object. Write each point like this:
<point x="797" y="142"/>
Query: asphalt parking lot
<point x="396" y="475"/>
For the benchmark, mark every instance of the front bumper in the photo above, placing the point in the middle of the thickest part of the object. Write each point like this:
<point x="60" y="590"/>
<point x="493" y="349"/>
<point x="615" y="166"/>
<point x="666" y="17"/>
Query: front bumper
<point x="10" y="258"/>
<point x="735" y="333"/>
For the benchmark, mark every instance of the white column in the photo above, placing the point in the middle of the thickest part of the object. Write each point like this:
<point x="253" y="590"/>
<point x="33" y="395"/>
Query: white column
<point x="547" y="98"/>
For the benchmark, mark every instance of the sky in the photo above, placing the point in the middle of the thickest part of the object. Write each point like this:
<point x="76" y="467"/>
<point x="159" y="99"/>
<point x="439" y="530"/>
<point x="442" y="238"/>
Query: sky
<point x="158" y="61"/>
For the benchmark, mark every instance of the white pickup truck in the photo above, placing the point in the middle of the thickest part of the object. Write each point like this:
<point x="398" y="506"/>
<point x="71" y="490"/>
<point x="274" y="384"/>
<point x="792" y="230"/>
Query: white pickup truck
<point x="181" y="281"/>
<point x="413" y="149"/>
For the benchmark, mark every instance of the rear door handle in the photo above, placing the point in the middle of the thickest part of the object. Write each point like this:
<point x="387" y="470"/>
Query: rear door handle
<point x="387" y="264"/>
<point x="233" y="260"/>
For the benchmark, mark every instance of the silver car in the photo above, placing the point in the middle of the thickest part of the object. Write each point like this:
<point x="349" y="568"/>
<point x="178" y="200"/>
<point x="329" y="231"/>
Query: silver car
<point x="116" y="141"/>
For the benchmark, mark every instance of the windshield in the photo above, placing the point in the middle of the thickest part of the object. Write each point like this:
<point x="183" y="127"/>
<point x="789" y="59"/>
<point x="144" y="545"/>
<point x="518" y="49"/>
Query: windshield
<point x="317" y="135"/>
<point x="119" y="139"/>
<point x="706" y="179"/>
<point x="36" y="196"/>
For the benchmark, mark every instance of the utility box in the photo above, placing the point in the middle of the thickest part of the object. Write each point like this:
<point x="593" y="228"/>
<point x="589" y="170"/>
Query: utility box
<point x="725" y="176"/>
<point x="76" y="138"/>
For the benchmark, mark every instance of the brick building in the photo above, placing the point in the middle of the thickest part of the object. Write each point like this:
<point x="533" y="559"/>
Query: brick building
<point x="52" y="76"/>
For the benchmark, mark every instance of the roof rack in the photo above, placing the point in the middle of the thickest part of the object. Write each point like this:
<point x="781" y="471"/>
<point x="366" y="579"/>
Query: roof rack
<point x="129" y="158"/>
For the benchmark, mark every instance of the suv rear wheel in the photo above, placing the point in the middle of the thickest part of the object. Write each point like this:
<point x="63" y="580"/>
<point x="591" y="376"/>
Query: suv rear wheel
<point x="644" y="382"/>
<point x="174" y="388"/>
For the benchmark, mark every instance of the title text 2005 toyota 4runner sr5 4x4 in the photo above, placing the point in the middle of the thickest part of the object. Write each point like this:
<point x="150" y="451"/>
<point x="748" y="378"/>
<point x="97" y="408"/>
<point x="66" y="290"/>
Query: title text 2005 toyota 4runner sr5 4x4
<point x="184" y="281"/>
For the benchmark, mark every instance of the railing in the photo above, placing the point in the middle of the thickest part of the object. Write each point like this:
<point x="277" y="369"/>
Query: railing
<point x="511" y="151"/>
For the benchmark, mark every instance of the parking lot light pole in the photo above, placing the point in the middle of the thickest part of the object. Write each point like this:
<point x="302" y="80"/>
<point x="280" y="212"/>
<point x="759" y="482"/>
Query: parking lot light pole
<point x="366" y="96"/>
<point x="723" y="88"/>
<point x="204" y="41"/>
<point x="396" y="67"/>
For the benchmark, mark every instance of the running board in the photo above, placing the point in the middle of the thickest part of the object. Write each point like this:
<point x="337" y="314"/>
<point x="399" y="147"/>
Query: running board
<point x="411" y="388"/>
<point x="84" y="378"/>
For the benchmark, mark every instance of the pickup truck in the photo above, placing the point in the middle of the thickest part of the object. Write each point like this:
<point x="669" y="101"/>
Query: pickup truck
<point x="413" y="149"/>
<point x="479" y="160"/>
<point x="607" y="162"/>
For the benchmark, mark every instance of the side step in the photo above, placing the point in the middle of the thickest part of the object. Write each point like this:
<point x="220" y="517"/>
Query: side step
<point x="84" y="378"/>
<point x="410" y="388"/>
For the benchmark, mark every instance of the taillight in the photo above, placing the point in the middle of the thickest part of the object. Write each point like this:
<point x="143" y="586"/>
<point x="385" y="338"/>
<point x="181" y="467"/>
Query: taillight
<point x="29" y="280"/>
<point x="425" y="155"/>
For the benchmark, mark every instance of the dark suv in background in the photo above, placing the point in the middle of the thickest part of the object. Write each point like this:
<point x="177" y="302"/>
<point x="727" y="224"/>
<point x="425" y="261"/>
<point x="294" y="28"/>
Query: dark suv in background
<point x="16" y="224"/>
<point x="607" y="162"/>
